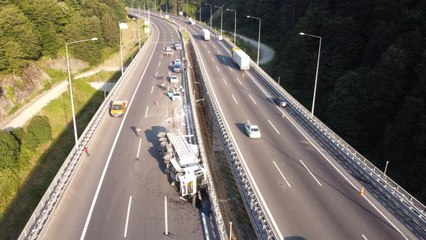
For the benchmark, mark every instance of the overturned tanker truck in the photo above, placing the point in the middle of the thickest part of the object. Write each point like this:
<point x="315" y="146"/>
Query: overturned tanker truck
<point x="183" y="165"/>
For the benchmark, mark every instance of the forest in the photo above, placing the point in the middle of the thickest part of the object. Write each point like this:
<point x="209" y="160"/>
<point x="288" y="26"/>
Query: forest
<point x="372" y="74"/>
<point x="32" y="30"/>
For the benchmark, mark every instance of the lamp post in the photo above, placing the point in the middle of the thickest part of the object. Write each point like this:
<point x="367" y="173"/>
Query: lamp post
<point x="122" y="26"/>
<point x="235" y="24"/>
<point x="221" y="18"/>
<point x="386" y="168"/>
<point x="210" y="13"/>
<point x="258" y="39"/>
<point x="139" y="33"/>
<point x="316" y="74"/>
<point x="200" y="11"/>
<point x="69" y="83"/>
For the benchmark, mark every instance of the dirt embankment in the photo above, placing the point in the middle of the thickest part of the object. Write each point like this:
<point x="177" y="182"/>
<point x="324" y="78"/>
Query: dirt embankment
<point x="15" y="91"/>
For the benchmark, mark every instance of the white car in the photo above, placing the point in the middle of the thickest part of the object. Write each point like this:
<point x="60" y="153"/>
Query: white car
<point x="220" y="37"/>
<point x="176" y="96"/>
<point x="252" y="130"/>
<point x="178" y="46"/>
<point x="174" y="79"/>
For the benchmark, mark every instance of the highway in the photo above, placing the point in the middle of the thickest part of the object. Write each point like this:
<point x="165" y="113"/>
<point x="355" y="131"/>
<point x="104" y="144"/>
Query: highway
<point x="118" y="191"/>
<point x="307" y="193"/>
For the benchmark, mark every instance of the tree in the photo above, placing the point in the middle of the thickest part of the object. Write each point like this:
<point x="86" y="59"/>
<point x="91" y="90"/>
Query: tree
<point x="18" y="133"/>
<point x="39" y="127"/>
<point x="344" y="106"/>
<point x="9" y="150"/>
<point x="18" y="40"/>
<point x="49" y="19"/>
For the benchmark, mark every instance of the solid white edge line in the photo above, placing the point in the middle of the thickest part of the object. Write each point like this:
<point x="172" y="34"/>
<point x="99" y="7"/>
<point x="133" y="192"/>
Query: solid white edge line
<point x="273" y="126"/>
<point x="252" y="99"/>
<point x="92" y="206"/>
<point x="311" y="173"/>
<point x="146" y="112"/>
<point x="347" y="180"/>
<point x="257" y="191"/>
<point x="127" y="218"/>
<point x="282" y="175"/>
<point x="335" y="168"/>
<point x="234" y="99"/>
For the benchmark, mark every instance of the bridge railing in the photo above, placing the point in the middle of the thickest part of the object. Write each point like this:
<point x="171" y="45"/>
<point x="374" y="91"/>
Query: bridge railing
<point x="246" y="184"/>
<point x="405" y="199"/>
<point x="60" y="182"/>
<point x="389" y="188"/>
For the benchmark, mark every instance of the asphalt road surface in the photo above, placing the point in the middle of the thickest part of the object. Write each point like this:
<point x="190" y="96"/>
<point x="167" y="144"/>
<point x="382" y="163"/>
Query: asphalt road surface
<point x="118" y="191"/>
<point x="306" y="194"/>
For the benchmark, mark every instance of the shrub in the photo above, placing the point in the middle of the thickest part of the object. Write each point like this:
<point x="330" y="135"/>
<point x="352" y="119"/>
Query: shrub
<point x="19" y="134"/>
<point x="9" y="150"/>
<point x="39" y="127"/>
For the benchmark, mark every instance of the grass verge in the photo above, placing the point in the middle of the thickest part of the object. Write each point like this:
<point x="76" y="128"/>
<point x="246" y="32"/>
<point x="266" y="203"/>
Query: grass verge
<point x="47" y="159"/>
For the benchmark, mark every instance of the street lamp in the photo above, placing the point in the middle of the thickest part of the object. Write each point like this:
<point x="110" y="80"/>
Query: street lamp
<point x="221" y="18"/>
<point x="258" y="39"/>
<point x="210" y="14"/>
<point x="200" y="11"/>
<point x="124" y="26"/>
<point x="316" y="74"/>
<point x="69" y="83"/>
<point x="386" y="168"/>
<point x="235" y="24"/>
<point x="139" y="33"/>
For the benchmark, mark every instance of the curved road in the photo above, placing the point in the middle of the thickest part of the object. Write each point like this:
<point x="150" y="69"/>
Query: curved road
<point x="307" y="194"/>
<point x="114" y="195"/>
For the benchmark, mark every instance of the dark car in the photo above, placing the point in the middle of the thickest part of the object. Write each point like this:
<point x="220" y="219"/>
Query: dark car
<point x="280" y="101"/>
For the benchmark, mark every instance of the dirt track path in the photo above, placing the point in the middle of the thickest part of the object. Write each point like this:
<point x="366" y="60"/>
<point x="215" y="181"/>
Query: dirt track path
<point x="25" y="113"/>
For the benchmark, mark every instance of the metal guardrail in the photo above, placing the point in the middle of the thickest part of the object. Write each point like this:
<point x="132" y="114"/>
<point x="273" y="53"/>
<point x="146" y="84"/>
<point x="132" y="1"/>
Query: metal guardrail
<point x="317" y="130"/>
<point x="210" y="184"/>
<point x="370" y="169"/>
<point x="198" y="137"/>
<point x="321" y="130"/>
<point x="389" y="189"/>
<point x="249" y="196"/>
<point x="193" y="121"/>
<point x="60" y="182"/>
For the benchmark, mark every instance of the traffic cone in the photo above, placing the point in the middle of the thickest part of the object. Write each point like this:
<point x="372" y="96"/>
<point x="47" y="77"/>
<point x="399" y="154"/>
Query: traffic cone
<point x="156" y="103"/>
<point x="361" y="192"/>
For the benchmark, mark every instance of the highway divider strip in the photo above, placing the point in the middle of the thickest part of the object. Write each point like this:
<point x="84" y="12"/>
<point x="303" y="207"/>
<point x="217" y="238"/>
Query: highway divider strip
<point x="259" y="219"/>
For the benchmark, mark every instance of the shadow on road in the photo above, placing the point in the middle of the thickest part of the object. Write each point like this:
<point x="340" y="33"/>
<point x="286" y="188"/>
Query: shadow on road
<point x="154" y="150"/>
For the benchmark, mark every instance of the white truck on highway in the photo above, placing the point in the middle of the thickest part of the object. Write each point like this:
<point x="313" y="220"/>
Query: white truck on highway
<point x="206" y="34"/>
<point x="183" y="164"/>
<point x="241" y="58"/>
